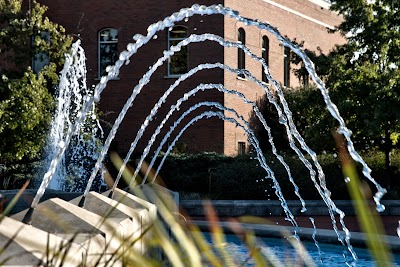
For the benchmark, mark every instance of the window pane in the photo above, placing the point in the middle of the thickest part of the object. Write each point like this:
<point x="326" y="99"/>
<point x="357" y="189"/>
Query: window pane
<point x="178" y="32"/>
<point x="265" y="56"/>
<point x="178" y="62"/>
<point x="241" y="148"/>
<point x="286" y="67"/>
<point x="108" y="56"/>
<point x="241" y="57"/>
<point x="109" y="35"/>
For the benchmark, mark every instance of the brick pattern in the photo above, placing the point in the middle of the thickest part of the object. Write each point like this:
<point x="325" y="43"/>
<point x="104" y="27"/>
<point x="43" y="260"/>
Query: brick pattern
<point x="83" y="20"/>
<point x="289" y="24"/>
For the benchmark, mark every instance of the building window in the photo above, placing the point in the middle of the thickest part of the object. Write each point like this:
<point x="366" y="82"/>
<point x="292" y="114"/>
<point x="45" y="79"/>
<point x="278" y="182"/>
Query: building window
<point x="265" y="56"/>
<point x="108" y="49"/>
<point x="40" y="59"/>
<point x="241" y="148"/>
<point x="178" y="63"/>
<point x="286" y="67"/>
<point x="241" y="57"/>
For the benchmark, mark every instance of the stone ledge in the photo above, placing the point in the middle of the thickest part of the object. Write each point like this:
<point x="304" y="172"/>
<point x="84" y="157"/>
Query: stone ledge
<point x="235" y="208"/>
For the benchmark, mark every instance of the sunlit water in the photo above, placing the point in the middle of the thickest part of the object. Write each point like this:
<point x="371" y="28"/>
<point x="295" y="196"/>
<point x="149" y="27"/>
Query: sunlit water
<point x="281" y="253"/>
<point x="71" y="94"/>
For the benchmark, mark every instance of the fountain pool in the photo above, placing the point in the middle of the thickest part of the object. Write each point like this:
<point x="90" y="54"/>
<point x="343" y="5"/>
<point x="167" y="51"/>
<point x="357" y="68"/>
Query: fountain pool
<point x="280" y="252"/>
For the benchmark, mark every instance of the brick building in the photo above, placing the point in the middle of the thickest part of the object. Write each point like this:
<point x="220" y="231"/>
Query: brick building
<point x="105" y="27"/>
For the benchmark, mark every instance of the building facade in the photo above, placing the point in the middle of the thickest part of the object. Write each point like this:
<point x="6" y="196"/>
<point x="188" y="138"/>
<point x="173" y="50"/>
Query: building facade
<point x="106" y="27"/>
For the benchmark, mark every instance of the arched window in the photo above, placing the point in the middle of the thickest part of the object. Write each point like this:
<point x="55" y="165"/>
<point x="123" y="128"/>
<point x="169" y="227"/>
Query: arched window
<point x="241" y="56"/>
<point x="265" y="56"/>
<point x="286" y="67"/>
<point x="178" y="63"/>
<point x="108" y="49"/>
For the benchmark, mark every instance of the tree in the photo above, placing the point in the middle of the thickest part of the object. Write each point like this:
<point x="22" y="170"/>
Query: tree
<point x="362" y="75"/>
<point x="32" y="50"/>
<point x="365" y="75"/>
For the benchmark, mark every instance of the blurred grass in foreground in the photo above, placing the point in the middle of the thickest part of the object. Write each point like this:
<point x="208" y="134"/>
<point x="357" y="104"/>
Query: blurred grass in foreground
<point x="367" y="216"/>
<point x="175" y="242"/>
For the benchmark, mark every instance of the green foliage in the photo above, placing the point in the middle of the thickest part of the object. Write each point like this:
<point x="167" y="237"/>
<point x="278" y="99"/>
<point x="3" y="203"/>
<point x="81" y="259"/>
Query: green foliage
<point x="311" y="117"/>
<point x="243" y="178"/>
<point x="321" y="62"/>
<point x="25" y="111"/>
<point x="240" y="179"/>
<point x="26" y="102"/>
<point x="362" y="77"/>
<point x="15" y="175"/>
<point x="367" y="97"/>
<point x="372" y="80"/>
<point x="278" y="131"/>
<point x="178" y="171"/>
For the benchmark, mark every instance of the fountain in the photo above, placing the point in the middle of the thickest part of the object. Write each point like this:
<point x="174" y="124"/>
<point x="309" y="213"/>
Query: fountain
<point x="73" y="78"/>
<point x="85" y="144"/>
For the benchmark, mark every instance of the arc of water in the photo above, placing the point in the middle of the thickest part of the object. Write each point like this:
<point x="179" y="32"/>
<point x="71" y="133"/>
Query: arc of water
<point x="222" y="89"/>
<point x="219" y="9"/>
<point x="167" y="54"/>
<point x="292" y="129"/>
<point x="283" y="120"/>
<point x="166" y="94"/>
<point x="252" y="139"/>
<point x="175" y="107"/>
<point x="112" y="71"/>
<point x="332" y="108"/>
<point x="261" y="159"/>
<point x="146" y="78"/>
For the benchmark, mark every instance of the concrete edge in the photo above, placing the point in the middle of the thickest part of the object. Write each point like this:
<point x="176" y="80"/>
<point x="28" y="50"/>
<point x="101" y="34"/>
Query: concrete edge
<point x="322" y="235"/>
<point x="235" y="208"/>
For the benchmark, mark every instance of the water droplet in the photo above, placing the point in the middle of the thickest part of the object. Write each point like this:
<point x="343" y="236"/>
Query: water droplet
<point x="137" y="36"/>
<point x="186" y="19"/>
<point x="398" y="230"/>
<point x="155" y="37"/>
<point x="347" y="179"/>
<point x="380" y="207"/>
<point x="282" y="120"/>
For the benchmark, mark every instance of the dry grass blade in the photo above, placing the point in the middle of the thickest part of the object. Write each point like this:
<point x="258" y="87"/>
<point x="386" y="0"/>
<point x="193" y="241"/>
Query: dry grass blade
<point x="368" y="218"/>
<point x="12" y="203"/>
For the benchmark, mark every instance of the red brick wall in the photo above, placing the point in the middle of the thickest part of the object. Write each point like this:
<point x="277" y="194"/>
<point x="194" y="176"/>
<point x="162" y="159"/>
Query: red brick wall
<point x="83" y="19"/>
<point x="289" y="23"/>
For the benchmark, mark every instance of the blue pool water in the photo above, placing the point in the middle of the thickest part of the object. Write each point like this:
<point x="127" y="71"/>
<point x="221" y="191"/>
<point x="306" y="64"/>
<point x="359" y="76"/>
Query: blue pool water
<point x="329" y="255"/>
